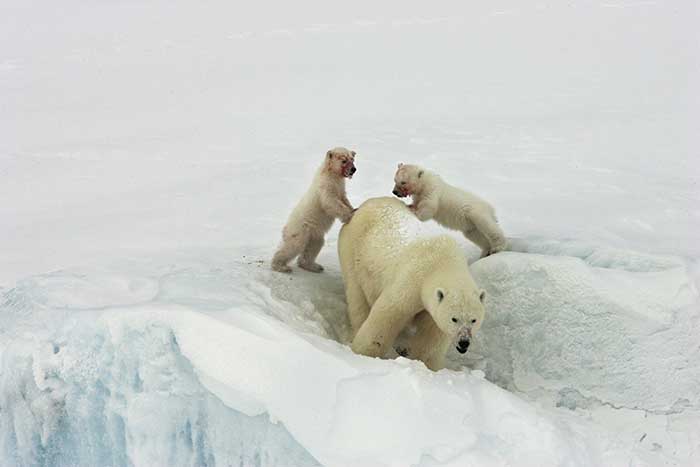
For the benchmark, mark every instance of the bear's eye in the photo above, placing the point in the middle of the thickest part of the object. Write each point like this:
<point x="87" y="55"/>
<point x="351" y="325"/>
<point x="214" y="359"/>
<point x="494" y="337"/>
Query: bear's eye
<point x="455" y="320"/>
<point x="403" y="183"/>
<point x="474" y="321"/>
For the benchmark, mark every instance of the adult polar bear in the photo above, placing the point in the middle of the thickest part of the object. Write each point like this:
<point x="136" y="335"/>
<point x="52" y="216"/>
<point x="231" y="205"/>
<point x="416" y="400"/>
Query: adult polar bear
<point x="394" y="276"/>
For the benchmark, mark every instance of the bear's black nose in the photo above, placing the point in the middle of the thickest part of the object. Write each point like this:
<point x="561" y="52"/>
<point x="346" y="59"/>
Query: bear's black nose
<point x="395" y="192"/>
<point x="462" y="345"/>
<point x="353" y="170"/>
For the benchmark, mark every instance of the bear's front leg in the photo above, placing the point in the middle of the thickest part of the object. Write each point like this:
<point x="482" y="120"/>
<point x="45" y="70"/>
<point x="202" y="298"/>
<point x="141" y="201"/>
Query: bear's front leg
<point x="386" y="320"/>
<point x="358" y="309"/>
<point x="334" y="207"/>
<point x="426" y="208"/>
<point x="429" y="344"/>
<point x="307" y="259"/>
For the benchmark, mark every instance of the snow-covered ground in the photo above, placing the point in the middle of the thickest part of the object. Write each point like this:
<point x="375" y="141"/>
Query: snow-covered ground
<point x="151" y="151"/>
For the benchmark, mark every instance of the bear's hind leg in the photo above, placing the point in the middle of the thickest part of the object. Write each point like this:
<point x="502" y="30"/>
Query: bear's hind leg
<point x="491" y="231"/>
<point x="307" y="259"/>
<point x="477" y="238"/>
<point x="292" y="245"/>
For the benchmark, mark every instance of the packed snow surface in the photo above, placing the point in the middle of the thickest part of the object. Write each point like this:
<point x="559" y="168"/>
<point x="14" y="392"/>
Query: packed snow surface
<point x="151" y="151"/>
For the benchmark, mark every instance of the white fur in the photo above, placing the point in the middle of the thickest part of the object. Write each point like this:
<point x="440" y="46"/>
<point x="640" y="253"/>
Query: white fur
<point x="324" y="201"/>
<point x="451" y="207"/>
<point x="394" y="276"/>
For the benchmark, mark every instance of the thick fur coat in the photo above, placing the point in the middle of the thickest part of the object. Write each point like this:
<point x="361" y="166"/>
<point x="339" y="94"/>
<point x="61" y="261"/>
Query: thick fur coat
<point x="313" y="216"/>
<point x="451" y="207"/>
<point x="394" y="276"/>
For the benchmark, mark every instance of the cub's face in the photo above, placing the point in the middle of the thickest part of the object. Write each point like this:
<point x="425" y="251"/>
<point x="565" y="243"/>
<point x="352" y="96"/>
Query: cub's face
<point x="457" y="314"/>
<point x="407" y="180"/>
<point x="341" y="161"/>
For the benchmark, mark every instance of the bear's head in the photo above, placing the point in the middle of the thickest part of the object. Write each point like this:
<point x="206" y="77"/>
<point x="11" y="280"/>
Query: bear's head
<point x="407" y="180"/>
<point x="341" y="162"/>
<point x="456" y="310"/>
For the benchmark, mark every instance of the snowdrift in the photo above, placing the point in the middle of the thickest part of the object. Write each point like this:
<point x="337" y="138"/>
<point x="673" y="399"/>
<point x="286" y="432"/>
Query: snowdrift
<point x="591" y="324"/>
<point x="221" y="363"/>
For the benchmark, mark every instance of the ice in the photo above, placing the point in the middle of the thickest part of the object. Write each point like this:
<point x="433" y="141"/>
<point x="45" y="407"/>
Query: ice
<point x="102" y="392"/>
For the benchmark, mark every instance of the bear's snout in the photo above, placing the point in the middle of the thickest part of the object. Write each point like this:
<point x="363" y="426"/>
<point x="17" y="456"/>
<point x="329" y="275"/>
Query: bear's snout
<point x="400" y="192"/>
<point x="462" y="345"/>
<point x="349" y="170"/>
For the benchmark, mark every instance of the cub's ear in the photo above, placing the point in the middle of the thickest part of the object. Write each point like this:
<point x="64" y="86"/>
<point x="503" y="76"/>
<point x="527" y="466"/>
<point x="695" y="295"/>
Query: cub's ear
<point x="440" y="295"/>
<point x="353" y="153"/>
<point x="329" y="154"/>
<point x="420" y="174"/>
<point x="482" y="295"/>
<point x="400" y="165"/>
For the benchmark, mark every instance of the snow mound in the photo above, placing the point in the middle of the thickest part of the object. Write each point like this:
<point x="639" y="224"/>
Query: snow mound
<point x="233" y="364"/>
<point x="591" y="325"/>
<point x="108" y="393"/>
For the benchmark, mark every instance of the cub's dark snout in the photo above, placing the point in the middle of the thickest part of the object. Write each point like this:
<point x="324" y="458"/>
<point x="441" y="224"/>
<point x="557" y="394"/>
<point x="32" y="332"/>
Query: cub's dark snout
<point x="395" y="193"/>
<point x="462" y="345"/>
<point x="353" y="170"/>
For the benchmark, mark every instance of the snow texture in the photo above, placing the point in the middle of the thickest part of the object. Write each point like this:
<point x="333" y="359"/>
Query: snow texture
<point x="150" y="153"/>
<point x="618" y="328"/>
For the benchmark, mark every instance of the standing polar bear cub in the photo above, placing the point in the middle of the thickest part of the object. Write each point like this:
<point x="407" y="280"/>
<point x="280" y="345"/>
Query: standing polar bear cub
<point x="324" y="201"/>
<point x="394" y="277"/>
<point x="451" y="207"/>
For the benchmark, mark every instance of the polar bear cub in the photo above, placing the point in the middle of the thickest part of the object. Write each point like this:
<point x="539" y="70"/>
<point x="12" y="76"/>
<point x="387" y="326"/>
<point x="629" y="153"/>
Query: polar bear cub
<point x="394" y="277"/>
<point x="451" y="207"/>
<point x="324" y="201"/>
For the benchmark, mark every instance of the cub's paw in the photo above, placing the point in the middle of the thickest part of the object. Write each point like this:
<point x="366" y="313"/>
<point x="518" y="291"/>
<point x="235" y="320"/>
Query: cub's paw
<point x="493" y="250"/>
<point x="311" y="267"/>
<point x="281" y="268"/>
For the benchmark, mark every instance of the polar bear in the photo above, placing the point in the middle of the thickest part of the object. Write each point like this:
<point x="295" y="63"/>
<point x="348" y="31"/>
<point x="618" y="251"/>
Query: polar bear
<point x="324" y="201"/>
<point x="456" y="209"/>
<point x="394" y="277"/>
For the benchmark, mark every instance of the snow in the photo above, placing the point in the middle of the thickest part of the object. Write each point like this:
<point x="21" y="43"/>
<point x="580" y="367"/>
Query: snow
<point x="108" y="393"/>
<point x="192" y="370"/>
<point x="563" y="304"/>
<point x="150" y="153"/>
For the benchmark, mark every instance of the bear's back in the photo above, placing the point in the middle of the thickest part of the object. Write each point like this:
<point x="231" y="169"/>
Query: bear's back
<point x="384" y="225"/>
<point x="384" y="232"/>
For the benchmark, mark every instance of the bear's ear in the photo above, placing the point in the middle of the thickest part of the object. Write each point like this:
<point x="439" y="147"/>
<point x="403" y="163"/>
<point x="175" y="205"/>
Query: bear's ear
<point x="329" y="154"/>
<point x="440" y="295"/>
<point x="420" y="174"/>
<point x="482" y="295"/>
<point x="400" y="164"/>
<point x="353" y="153"/>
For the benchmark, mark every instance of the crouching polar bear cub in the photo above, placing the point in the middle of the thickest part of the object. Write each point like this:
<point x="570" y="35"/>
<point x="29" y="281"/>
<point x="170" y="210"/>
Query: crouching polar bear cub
<point x="395" y="277"/>
<point x="451" y="207"/>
